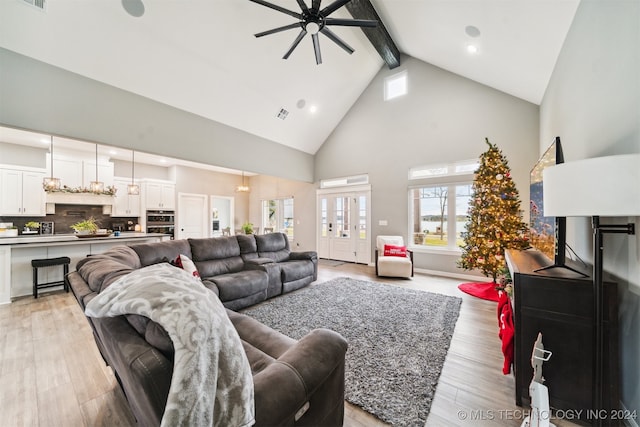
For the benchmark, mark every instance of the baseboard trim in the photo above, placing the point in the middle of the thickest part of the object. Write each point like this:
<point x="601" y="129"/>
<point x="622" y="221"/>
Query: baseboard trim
<point x="452" y="275"/>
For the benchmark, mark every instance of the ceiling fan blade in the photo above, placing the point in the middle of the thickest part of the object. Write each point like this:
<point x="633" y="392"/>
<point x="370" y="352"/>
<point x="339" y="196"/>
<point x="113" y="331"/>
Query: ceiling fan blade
<point x="295" y="43"/>
<point x="351" y="22"/>
<point x="278" y="8"/>
<point x="337" y="40"/>
<point x="303" y="6"/>
<point x="315" y="6"/>
<point x="333" y="7"/>
<point x="277" y="30"/>
<point x="316" y="48"/>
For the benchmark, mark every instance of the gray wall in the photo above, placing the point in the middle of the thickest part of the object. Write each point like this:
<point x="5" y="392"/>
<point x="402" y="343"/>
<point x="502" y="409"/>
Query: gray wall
<point x="443" y="118"/>
<point x="44" y="98"/>
<point x="12" y="154"/>
<point x="593" y="104"/>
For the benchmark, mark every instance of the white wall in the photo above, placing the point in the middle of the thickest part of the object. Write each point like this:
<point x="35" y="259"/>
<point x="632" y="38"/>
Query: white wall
<point x="593" y="103"/>
<point x="443" y="118"/>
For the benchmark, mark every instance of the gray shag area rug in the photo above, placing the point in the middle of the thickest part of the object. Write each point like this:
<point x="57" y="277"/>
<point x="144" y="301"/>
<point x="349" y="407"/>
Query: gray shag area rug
<point x="398" y="340"/>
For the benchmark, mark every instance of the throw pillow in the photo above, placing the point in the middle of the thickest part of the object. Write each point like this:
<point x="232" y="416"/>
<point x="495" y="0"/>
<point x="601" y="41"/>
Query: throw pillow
<point x="394" y="250"/>
<point x="185" y="263"/>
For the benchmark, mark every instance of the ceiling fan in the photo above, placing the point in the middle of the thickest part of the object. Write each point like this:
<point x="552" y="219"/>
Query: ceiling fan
<point x="314" y="20"/>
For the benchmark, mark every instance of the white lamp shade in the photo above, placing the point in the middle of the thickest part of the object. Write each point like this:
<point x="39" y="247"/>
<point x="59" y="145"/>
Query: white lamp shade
<point x="600" y="186"/>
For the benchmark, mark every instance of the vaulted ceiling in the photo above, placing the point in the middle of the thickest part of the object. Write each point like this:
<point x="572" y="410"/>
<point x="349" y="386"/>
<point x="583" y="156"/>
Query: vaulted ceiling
<point x="201" y="55"/>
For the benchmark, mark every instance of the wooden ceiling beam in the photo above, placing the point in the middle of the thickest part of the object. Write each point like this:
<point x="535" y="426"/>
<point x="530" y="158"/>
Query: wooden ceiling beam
<point x="378" y="36"/>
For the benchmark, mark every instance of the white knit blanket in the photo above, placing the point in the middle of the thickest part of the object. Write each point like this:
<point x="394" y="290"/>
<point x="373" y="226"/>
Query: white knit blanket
<point x="212" y="383"/>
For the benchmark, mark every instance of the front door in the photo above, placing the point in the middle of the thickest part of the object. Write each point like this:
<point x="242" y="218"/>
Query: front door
<point x="343" y="226"/>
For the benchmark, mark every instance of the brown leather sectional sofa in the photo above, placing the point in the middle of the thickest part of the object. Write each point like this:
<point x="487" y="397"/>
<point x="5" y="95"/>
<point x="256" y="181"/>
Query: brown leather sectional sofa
<point x="296" y="383"/>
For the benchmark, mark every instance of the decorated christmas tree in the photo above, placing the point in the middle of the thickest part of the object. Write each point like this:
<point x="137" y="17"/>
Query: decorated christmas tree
<point x="494" y="220"/>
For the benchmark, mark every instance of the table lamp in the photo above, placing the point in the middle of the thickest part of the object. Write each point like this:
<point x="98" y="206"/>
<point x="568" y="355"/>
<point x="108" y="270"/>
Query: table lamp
<point x="602" y="186"/>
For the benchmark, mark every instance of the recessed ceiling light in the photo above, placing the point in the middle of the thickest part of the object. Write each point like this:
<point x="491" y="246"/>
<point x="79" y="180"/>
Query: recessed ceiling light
<point x="472" y="31"/>
<point x="313" y="109"/>
<point x="472" y="48"/>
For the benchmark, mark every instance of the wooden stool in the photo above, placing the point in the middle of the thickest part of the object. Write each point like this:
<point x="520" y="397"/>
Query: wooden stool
<point x="50" y="262"/>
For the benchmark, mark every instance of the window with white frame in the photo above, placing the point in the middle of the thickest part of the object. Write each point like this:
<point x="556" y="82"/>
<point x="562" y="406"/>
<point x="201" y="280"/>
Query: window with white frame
<point x="395" y="85"/>
<point x="277" y="214"/>
<point x="438" y="204"/>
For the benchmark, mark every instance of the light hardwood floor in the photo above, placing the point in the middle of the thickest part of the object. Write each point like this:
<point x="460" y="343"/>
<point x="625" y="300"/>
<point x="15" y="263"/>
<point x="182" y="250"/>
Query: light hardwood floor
<point x="51" y="372"/>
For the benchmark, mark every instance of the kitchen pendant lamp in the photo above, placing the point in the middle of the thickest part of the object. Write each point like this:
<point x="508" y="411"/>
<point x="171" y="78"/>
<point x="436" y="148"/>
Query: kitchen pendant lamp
<point x="133" y="188"/>
<point x="51" y="183"/>
<point x="242" y="188"/>
<point x="97" y="186"/>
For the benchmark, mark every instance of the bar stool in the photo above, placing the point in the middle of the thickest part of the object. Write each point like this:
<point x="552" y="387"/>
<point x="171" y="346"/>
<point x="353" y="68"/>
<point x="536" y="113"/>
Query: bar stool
<point x="50" y="262"/>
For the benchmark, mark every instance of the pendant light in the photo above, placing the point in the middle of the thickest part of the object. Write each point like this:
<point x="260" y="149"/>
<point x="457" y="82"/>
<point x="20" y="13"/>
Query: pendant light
<point x="51" y="183"/>
<point x="97" y="186"/>
<point x="133" y="188"/>
<point x="242" y="188"/>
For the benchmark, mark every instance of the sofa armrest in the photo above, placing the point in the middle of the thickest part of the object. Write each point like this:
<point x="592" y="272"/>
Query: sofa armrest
<point x="143" y="372"/>
<point x="259" y="261"/>
<point x="307" y="255"/>
<point x="310" y="255"/>
<point x="310" y="377"/>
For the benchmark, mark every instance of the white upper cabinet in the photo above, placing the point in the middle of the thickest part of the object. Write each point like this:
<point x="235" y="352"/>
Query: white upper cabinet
<point x="159" y="195"/>
<point x="69" y="171"/>
<point x="105" y="173"/>
<point x="125" y="204"/>
<point x="75" y="171"/>
<point x="22" y="192"/>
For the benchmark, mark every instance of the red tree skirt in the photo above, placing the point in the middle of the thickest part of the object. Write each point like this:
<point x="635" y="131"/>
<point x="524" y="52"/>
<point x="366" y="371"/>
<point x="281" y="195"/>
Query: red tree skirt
<point x="484" y="290"/>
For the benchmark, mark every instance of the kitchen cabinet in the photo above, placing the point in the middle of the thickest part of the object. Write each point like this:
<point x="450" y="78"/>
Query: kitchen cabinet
<point x="159" y="195"/>
<point x="22" y="192"/>
<point x="124" y="204"/>
<point x="69" y="171"/>
<point x="105" y="173"/>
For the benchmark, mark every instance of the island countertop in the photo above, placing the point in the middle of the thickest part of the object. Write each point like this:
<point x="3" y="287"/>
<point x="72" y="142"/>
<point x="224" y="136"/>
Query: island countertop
<point x="72" y="238"/>
<point x="16" y="254"/>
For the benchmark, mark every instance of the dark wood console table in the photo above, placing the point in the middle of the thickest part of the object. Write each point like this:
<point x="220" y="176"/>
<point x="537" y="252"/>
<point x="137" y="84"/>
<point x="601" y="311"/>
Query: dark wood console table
<point x="559" y="303"/>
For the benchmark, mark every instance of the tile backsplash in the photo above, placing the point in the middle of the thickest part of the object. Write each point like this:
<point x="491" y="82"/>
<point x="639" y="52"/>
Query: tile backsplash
<point x="66" y="215"/>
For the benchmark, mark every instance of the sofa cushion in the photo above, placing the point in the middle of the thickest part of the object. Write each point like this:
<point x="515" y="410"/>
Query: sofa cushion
<point x="213" y="257"/>
<point x="154" y="253"/>
<point x="206" y="249"/>
<point x="99" y="271"/>
<point x="274" y="246"/>
<point x="237" y="285"/>
<point x="248" y="247"/>
<point x="153" y="333"/>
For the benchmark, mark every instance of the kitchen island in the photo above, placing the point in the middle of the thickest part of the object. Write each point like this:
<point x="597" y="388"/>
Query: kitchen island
<point x="16" y="253"/>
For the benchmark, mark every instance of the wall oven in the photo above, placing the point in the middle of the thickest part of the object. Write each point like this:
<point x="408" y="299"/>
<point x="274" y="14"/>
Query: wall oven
<point x="162" y="222"/>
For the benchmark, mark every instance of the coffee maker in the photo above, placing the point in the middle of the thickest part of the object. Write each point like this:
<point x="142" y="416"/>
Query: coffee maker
<point x="118" y="226"/>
